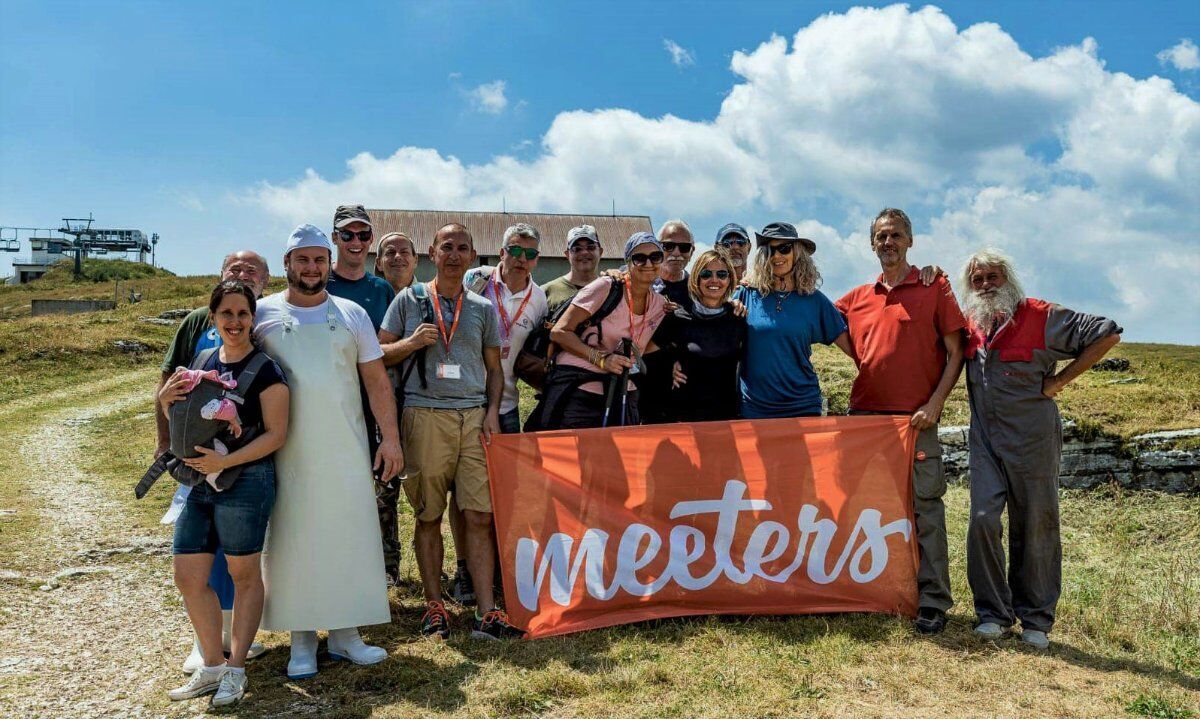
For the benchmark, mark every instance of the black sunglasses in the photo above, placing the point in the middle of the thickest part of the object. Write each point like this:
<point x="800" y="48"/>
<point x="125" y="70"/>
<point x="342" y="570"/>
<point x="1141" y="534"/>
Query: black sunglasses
<point x="347" y="235"/>
<point x="721" y="274"/>
<point x="641" y="258"/>
<point x="734" y="242"/>
<point x="584" y="247"/>
<point x="781" y="249"/>
<point x="515" y="251"/>
<point x="684" y="247"/>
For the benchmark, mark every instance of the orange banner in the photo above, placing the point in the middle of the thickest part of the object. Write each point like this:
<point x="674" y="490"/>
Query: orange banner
<point x="786" y="516"/>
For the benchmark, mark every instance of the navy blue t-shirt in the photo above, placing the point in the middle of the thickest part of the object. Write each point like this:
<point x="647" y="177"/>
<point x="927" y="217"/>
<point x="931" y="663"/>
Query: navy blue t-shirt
<point x="371" y="293"/>
<point x="777" y="377"/>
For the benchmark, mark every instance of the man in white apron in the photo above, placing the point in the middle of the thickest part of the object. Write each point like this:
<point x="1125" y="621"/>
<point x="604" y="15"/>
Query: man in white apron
<point x="323" y="557"/>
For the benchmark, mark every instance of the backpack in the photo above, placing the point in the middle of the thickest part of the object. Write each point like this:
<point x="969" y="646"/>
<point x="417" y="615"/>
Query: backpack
<point x="189" y="428"/>
<point x="539" y="345"/>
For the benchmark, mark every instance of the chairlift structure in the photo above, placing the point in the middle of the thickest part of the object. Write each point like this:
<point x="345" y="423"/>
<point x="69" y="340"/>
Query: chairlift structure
<point x="76" y="239"/>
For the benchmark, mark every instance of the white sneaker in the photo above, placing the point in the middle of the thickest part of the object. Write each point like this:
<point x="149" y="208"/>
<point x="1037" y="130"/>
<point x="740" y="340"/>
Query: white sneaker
<point x="990" y="631"/>
<point x="347" y="645"/>
<point x="304" y="656"/>
<point x="231" y="690"/>
<point x="195" y="660"/>
<point x="256" y="650"/>
<point x="1035" y="639"/>
<point x="203" y="681"/>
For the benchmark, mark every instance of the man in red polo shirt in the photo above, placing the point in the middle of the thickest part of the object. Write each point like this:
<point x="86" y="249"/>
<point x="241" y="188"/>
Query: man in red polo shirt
<point x="907" y="340"/>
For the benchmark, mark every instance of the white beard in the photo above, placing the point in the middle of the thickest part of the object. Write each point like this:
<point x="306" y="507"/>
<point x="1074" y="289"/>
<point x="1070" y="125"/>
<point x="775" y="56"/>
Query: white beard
<point x="992" y="309"/>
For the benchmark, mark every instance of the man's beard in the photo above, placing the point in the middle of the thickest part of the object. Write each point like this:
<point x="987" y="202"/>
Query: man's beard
<point x="294" y="281"/>
<point x="992" y="309"/>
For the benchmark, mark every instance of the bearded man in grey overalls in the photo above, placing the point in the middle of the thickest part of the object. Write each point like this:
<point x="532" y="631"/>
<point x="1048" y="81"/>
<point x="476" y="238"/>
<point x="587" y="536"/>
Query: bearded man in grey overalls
<point x="1014" y="345"/>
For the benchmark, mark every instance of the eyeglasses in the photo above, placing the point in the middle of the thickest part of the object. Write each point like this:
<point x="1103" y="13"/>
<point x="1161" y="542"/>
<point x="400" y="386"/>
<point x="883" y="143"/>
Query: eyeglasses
<point x="347" y="235"/>
<point x="516" y="251"/>
<point x="781" y="249"/>
<point x="583" y="247"/>
<point x="734" y="242"/>
<point x="641" y="258"/>
<point x="708" y="274"/>
<point x="683" y="247"/>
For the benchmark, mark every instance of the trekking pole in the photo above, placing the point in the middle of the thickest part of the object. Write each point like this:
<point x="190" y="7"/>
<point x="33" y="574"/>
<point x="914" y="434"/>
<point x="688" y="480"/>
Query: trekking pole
<point x="619" y="384"/>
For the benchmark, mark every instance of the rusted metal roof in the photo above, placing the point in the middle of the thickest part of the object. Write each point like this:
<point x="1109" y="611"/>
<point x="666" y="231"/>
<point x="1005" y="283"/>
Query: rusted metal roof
<point x="487" y="228"/>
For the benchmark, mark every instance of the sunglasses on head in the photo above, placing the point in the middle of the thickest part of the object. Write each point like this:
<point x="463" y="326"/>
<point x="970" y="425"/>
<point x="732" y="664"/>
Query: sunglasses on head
<point x="584" y="247"/>
<point x="683" y="247"/>
<point x="734" y="242"/>
<point x="708" y="274"/>
<point x="641" y="258"/>
<point x="347" y="235"/>
<point x="781" y="249"/>
<point x="516" y="251"/>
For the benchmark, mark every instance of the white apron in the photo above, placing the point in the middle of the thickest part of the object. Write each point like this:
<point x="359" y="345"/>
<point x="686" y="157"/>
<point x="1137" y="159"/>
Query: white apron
<point x="323" y="557"/>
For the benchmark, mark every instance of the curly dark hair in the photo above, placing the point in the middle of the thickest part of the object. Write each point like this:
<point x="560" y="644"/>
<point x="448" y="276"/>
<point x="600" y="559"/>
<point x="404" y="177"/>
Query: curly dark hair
<point x="231" y="287"/>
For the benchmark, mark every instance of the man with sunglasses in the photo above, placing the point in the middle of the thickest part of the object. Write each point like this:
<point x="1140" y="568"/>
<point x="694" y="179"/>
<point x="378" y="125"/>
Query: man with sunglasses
<point x="583" y="254"/>
<point x="907" y="340"/>
<point x="677" y="242"/>
<point x="349" y="279"/>
<point x="734" y="240"/>
<point x="520" y="307"/>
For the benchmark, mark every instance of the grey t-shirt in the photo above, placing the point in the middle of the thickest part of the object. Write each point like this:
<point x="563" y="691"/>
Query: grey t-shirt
<point x="477" y="329"/>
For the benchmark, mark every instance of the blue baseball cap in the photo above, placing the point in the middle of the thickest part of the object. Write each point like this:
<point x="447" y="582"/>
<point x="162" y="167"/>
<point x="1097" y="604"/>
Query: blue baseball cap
<point x="732" y="228"/>
<point x="641" y="238"/>
<point x="307" y="236"/>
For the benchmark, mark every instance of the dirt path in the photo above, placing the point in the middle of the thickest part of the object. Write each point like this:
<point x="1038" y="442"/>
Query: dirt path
<point x="95" y="636"/>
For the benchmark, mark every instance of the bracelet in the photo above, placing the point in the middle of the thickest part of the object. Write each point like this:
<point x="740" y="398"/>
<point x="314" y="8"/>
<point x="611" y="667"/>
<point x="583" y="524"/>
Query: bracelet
<point x="593" y="355"/>
<point x="603" y="357"/>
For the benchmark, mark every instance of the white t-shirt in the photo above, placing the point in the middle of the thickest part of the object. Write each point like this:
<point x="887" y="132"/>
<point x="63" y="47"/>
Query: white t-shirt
<point x="532" y="316"/>
<point x="270" y="317"/>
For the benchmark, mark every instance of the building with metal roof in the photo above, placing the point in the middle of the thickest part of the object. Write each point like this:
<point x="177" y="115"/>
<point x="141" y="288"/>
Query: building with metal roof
<point x="487" y="228"/>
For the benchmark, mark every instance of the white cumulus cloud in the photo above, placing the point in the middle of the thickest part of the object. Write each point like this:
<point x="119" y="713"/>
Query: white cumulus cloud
<point x="1089" y="178"/>
<point x="489" y="97"/>
<point x="1184" y="55"/>
<point x="680" y="56"/>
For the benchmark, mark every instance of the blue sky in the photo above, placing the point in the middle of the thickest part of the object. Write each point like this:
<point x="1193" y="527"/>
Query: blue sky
<point x="1067" y="134"/>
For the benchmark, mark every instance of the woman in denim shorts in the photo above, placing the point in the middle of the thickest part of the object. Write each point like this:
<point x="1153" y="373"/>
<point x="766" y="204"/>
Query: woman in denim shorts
<point x="236" y="518"/>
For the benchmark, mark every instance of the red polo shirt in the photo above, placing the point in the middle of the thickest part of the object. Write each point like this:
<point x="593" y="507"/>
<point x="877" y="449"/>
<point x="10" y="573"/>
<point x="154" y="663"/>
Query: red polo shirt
<point x="897" y="338"/>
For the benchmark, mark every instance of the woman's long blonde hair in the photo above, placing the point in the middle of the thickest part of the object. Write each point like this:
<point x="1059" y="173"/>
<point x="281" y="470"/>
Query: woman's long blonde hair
<point x="805" y="277"/>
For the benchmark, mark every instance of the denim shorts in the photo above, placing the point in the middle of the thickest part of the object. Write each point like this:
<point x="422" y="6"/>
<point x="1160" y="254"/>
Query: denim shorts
<point x="234" y="520"/>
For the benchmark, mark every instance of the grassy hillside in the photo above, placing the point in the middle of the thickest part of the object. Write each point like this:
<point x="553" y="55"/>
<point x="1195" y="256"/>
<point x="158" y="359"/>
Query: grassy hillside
<point x="1160" y="391"/>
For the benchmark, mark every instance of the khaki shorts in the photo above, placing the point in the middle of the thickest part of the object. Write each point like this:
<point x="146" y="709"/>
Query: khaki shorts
<point x="443" y="452"/>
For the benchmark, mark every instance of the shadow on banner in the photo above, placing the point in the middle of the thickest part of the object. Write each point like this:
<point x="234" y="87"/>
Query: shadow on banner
<point x="599" y="527"/>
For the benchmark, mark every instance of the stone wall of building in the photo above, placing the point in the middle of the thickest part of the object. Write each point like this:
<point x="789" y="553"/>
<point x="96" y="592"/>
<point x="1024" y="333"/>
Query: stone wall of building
<point x="1148" y="461"/>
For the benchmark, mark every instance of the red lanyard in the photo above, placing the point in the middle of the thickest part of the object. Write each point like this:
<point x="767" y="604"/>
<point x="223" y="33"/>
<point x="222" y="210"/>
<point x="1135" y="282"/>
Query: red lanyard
<point x="446" y="338"/>
<point x="637" y="334"/>
<point x="504" y="321"/>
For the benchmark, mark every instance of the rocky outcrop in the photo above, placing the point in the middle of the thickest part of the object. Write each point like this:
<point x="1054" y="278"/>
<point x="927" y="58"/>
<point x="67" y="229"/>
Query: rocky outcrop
<point x="1148" y="461"/>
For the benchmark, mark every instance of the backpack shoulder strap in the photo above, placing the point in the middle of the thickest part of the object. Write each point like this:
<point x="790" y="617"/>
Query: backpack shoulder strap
<point x="418" y="358"/>
<point x="246" y="377"/>
<point x="202" y="359"/>
<point x="481" y="279"/>
<point x="616" y="291"/>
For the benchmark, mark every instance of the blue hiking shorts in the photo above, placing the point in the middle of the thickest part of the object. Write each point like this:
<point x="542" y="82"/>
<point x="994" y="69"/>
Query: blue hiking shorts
<point x="234" y="520"/>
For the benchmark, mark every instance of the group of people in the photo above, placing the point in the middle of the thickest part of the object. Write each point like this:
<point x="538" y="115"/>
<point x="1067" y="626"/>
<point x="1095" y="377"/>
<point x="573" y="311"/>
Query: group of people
<point x="376" y="383"/>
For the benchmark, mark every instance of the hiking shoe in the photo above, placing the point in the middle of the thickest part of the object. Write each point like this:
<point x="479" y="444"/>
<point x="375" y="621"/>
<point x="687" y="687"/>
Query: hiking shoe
<point x="203" y="681"/>
<point x="1034" y="638"/>
<point x="462" y="589"/>
<point x="990" y="631"/>
<point x="231" y="689"/>
<point x="930" y="621"/>
<point x="435" y="623"/>
<point x="494" y="626"/>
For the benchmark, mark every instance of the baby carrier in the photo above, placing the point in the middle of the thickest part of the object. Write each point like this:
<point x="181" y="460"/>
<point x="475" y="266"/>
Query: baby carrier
<point x="190" y="428"/>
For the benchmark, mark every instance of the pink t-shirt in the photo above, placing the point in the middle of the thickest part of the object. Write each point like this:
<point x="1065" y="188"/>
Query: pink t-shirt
<point x="616" y="326"/>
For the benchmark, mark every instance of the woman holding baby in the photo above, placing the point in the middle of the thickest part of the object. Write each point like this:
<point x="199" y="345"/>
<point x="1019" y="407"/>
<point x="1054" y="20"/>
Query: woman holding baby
<point x="234" y="518"/>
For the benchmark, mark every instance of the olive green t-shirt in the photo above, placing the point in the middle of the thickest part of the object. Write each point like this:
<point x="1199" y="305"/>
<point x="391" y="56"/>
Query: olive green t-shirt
<point x="194" y="329"/>
<point x="559" y="292"/>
